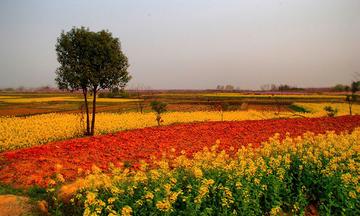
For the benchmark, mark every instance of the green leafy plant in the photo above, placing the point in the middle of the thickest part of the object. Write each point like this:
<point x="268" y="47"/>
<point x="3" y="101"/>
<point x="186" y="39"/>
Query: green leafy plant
<point x="330" y="111"/>
<point x="158" y="107"/>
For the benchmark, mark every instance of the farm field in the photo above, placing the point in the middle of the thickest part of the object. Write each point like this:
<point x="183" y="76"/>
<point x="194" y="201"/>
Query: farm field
<point x="183" y="163"/>
<point x="24" y="104"/>
<point x="255" y="145"/>
<point x="226" y="145"/>
<point x="153" y="143"/>
<point x="19" y="132"/>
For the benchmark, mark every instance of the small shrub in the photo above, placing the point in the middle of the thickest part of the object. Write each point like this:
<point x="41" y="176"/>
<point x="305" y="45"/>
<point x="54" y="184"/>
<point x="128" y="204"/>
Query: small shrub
<point x="158" y="107"/>
<point x="330" y="111"/>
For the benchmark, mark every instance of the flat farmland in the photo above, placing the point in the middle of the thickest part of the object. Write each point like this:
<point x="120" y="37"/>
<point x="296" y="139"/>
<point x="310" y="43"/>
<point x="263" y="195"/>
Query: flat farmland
<point x="248" y="147"/>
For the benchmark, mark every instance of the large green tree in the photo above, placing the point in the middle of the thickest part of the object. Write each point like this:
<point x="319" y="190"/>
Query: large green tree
<point x="90" y="61"/>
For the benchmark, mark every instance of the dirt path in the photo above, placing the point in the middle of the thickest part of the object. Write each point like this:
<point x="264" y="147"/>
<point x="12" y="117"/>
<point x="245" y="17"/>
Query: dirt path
<point x="11" y="205"/>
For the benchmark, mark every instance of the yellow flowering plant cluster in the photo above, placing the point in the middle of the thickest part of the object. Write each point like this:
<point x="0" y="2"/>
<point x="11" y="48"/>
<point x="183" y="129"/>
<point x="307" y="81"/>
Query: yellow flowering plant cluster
<point x="280" y="178"/>
<point x="20" y="132"/>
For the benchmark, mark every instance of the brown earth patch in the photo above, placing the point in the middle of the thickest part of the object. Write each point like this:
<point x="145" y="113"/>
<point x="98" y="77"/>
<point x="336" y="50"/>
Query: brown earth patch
<point x="11" y="205"/>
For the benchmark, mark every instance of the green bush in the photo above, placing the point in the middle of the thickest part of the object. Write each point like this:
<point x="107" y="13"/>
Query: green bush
<point x="330" y="111"/>
<point x="297" y="108"/>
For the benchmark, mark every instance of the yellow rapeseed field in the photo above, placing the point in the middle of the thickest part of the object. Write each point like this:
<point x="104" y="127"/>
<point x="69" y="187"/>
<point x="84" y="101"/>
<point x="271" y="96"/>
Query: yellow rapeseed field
<point x="317" y="109"/>
<point x="287" y="170"/>
<point x="10" y="99"/>
<point x="297" y="96"/>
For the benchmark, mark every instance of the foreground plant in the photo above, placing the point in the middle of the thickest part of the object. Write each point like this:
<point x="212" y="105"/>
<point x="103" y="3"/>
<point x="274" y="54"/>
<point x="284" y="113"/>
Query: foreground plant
<point x="281" y="177"/>
<point x="158" y="107"/>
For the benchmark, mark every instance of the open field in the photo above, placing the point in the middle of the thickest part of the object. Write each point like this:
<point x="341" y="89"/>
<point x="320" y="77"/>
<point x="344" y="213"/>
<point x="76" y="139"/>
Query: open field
<point x="19" y="132"/>
<point x="201" y="157"/>
<point x="155" y="142"/>
<point x="23" y="104"/>
<point x="164" y="166"/>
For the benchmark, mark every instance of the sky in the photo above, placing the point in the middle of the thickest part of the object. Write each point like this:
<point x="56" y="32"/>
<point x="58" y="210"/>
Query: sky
<point x="191" y="44"/>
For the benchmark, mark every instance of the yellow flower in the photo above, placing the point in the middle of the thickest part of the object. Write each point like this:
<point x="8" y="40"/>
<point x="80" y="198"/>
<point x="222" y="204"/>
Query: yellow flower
<point x="197" y="172"/>
<point x="167" y="188"/>
<point x="238" y="185"/>
<point x="60" y="178"/>
<point x="173" y="196"/>
<point x="173" y="180"/>
<point x="126" y="211"/>
<point x="149" y="196"/>
<point x="111" y="200"/>
<point x="164" y="205"/>
<point x="90" y="198"/>
<point x="352" y="194"/>
<point x="275" y="211"/>
<point x="346" y="178"/>
<point x="51" y="182"/>
<point x="154" y="174"/>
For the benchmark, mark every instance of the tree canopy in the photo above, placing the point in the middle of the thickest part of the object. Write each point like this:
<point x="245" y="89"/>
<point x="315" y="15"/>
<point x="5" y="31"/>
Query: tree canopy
<point x="90" y="61"/>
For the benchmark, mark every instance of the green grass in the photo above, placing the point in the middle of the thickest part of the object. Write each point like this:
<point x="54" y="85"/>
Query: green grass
<point x="297" y="108"/>
<point x="5" y="189"/>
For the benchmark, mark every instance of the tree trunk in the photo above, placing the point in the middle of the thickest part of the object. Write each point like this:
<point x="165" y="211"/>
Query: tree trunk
<point x="141" y="107"/>
<point x="93" y="112"/>
<point x="87" y="113"/>
<point x="350" y="107"/>
<point x="158" y="118"/>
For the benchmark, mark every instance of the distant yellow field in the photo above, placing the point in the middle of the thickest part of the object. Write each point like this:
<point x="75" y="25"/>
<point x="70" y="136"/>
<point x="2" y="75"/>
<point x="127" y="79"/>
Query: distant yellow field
<point x="7" y="97"/>
<point x="302" y="96"/>
<point x="13" y="99"/>
<point x="317" y="109"/>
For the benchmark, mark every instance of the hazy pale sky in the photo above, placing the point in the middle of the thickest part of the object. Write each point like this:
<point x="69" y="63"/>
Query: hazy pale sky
<point x="191" y="44"/>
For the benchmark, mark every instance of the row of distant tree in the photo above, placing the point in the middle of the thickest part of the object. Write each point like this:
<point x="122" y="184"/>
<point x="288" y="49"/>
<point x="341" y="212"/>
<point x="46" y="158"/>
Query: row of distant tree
<point x="282" y="87"/>
<point x="227" y="87"/>
<point x="345" y="88"/>
<point x="266" y="87"/>
<point x="285" y="87"/>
